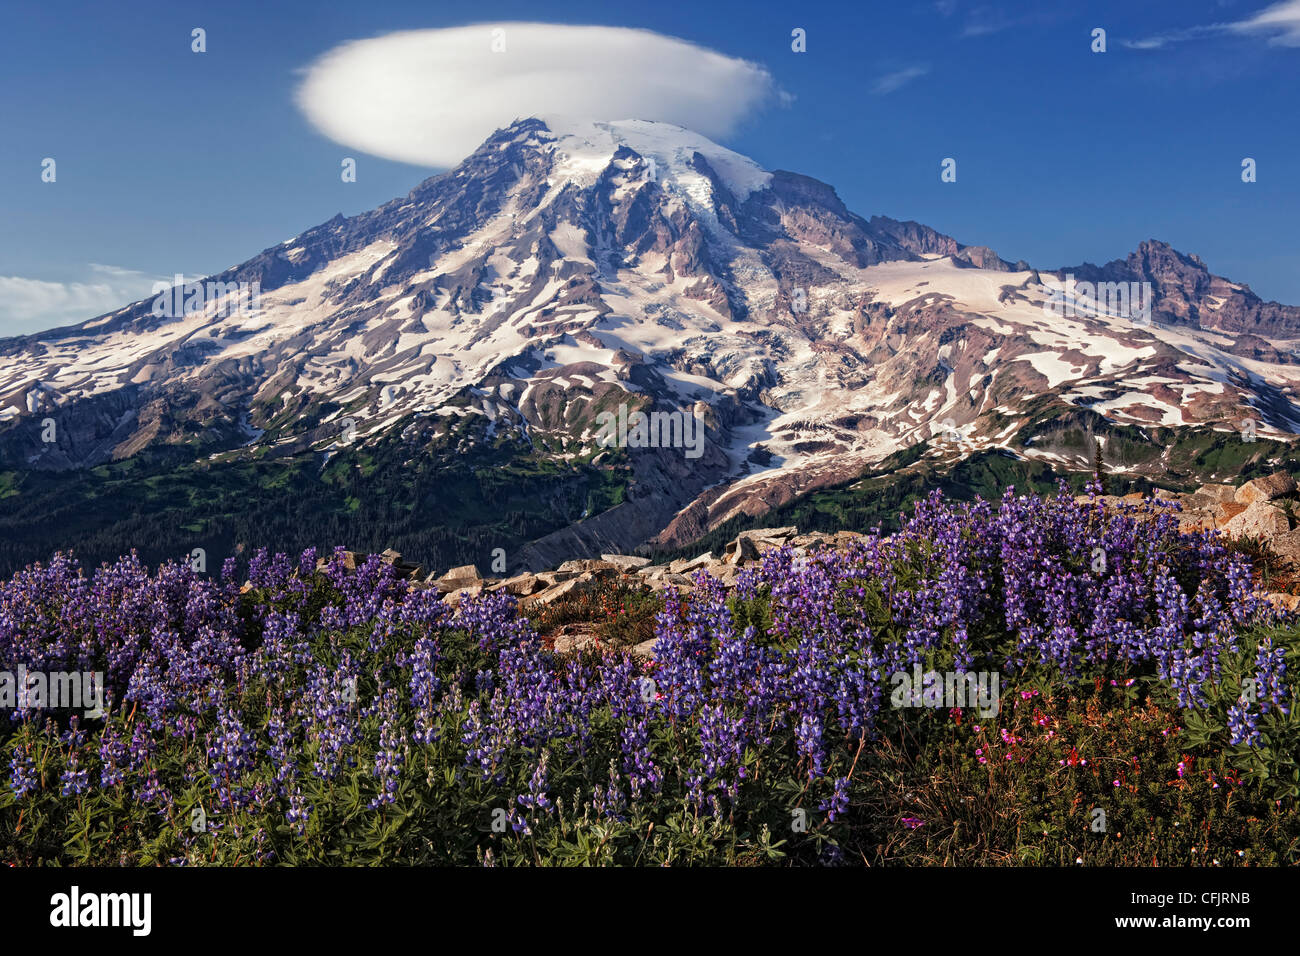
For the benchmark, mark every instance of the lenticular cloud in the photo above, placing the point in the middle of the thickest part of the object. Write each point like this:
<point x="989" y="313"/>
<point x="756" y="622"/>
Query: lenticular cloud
<point x="430" y="97"/>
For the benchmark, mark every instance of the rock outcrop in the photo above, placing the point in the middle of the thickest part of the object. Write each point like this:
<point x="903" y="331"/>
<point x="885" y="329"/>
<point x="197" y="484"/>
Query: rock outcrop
<point x="573" y="577"/>
<point x="1264" y="509"/>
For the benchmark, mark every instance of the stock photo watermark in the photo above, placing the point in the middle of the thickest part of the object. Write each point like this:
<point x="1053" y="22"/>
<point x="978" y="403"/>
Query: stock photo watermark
<point x="179" y="298"/>
<point x="1120" y="300"/>
<point x="76" y="909"/>
<point x="678" y="429"/>
<point x="58" y="690"/>
<point x="947" y="689"/>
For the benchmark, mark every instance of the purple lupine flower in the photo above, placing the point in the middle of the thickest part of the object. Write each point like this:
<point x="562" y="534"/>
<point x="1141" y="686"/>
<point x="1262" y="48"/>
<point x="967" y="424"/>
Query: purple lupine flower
<point x="22" y="773"/>
<point x="299" y="811"/>
<point x="1242" y="724"/>
<point x="535" y="798"/>
<point x="838" y="802"/>
<point x="1270" y="676"/>
<point x="75" y="778"/>
<point x="390" y="757"/>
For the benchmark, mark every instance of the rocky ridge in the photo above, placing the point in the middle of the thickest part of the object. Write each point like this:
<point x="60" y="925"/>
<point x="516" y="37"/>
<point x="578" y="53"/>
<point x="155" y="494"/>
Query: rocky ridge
<point x="574" y="575"/>
<point x="1263" y="509"/>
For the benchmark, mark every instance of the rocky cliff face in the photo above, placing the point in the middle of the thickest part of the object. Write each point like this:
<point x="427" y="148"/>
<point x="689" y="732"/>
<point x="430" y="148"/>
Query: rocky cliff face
<point x="558" y="274"/>
<point x="1188" y="294"/>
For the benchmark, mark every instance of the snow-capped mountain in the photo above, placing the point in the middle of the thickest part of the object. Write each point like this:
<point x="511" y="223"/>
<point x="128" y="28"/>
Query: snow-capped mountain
<point x="566" y="268"/>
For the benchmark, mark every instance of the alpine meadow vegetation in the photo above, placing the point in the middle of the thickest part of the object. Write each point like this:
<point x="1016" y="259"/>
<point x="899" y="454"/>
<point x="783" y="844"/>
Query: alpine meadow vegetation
<point x="1144" y="714"/>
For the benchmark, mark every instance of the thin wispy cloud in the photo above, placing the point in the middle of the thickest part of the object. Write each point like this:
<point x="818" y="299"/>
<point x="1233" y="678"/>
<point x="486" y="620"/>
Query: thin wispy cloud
<point x="27" y="305"/>
<point x="984" y="21"/>
<point x="430" y="97"/>
<point x="1279" y="24"/>
<point x="987" y="19"/>
<point x="898" y="79"/>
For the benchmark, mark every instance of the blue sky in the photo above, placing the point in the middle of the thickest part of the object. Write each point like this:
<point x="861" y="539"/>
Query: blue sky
<point x="172" y="162"/>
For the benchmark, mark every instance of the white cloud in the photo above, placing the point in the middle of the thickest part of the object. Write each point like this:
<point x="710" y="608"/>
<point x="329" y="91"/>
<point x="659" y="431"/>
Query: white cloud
<point x="117" y="272"/>
<point x="30" y="305"/>
<point x="1280" y="23"/>
<point x="430" y="97"/>
<point x="898" y="79"/>
<point x="1162" y="40"/>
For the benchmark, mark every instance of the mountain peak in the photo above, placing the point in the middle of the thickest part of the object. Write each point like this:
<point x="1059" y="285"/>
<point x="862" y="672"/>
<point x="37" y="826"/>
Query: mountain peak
<point x="588" y="147"/>
<point x="569" y="268"/>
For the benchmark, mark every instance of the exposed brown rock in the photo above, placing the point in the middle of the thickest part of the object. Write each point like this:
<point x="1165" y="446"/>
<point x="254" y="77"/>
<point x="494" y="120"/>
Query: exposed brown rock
<point x="587" y="564"/>
<point x="1287" y="602"/>
<point x="746" y="550"/>
<point x="645" y="649"/>
<point x="458" y="579"/>
<point x="664" y="581"/>
<point x="1218" y="492"/>
<point x="1277" y="485"/>
<point x="726" y="573"/>
<point x="688" y="565"/>
<point x="575" y="637"/>
<point x="349" y="561"/>
<point x="352" y="559"/>
<point x="1259" y="520"/>
<point x="554" y="577"/>
<point x="1287" y="547"/>
<point x="455" y="596"/>
<point x="466" y="572"/>
<point x="625" y="562"/>
<point x="1227" y="510"/>
<point x="520" y="585"/>
<point x="1190" y="522"/>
